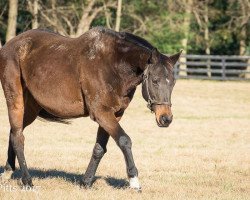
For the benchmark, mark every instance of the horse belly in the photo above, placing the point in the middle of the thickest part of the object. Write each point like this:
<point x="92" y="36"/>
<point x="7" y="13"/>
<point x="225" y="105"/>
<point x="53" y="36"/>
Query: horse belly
<point x="54" y="84"/>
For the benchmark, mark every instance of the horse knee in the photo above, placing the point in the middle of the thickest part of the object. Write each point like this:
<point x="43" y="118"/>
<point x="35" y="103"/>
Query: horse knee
<point x="98" y="151"/>
<point x="124" y="142"/>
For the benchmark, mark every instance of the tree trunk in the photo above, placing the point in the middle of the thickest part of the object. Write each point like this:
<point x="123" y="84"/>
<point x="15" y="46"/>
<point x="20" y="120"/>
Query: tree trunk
<point x="107" y="15"/>
<point x="207" y="40"/>
<point x="243" y="37"/>
<point x="35" y="15"/>
<point x="242" y="52"/>
<point x="118" y="15"/>
<point x="33" y="7"/>
<point x="184" y="41"/>
<point x="84" y="23"/>
<point x="242" y="47"/>
<point x="12" y="17"/>
<point x="243" y="31"/>
<point x="54" y="15"/>
<point x="243" y="34"/>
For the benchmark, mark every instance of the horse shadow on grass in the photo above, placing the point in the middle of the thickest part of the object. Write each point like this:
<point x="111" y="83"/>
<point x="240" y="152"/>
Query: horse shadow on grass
<point x="69" y="177"/>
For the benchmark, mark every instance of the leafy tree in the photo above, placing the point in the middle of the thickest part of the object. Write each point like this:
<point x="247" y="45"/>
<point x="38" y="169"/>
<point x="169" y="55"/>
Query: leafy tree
<point x="199" y="27"/>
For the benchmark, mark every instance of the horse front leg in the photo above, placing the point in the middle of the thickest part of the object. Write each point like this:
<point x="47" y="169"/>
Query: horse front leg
<point x="125" y="144"/>
<point x="112" y="127"/>
<point x="98" y="152"/>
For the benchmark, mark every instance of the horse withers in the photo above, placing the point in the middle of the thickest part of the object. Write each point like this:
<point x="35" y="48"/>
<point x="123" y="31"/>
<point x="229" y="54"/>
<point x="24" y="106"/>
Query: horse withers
<point x="45" y="74"/>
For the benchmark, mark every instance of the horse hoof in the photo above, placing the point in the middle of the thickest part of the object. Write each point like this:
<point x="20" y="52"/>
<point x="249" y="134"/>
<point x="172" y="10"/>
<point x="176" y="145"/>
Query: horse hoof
<point x="138" y="190"/>
<point x="5" y="176"/>
<point x="27" y="182"/>
<point x="134" y="184"/>
<point x="86" y="184"/>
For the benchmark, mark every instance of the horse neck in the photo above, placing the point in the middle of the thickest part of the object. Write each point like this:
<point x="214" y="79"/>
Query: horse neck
<point x="131" y="65"/>
<point x="134" y="57"/>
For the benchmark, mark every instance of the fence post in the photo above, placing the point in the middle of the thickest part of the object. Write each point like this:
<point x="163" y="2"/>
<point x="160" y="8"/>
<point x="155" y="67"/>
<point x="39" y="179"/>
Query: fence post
<point x="209" y="74"/>
<point x="247" y="74"/>
<point x="183" y="65"/>
<point x="223" y="68"/>
<point x="176" y="67"/>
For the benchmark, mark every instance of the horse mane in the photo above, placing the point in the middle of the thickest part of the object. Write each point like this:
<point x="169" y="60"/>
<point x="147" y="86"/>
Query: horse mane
<point x="129" y="37"/>
<point x="137" y="40"/>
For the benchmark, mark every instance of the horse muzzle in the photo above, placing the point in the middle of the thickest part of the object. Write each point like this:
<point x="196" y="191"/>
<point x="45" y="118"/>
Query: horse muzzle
<point x="163" y="115"/>
<point x="165" y="121"/>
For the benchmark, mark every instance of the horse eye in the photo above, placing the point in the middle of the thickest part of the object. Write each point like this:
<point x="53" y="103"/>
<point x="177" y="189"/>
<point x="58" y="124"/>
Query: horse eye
<point x="155" y="80"/>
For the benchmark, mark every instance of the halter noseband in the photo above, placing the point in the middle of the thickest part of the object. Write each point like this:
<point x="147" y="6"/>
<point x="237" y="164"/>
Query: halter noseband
<point x="151" y="101"/>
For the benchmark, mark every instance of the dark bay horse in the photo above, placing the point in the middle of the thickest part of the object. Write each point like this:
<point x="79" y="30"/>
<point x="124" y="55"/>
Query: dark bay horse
<point x="55" y="77"/>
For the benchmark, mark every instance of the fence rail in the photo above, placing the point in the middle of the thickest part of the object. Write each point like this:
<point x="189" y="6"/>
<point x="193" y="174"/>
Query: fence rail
<point x="213" y="67"/>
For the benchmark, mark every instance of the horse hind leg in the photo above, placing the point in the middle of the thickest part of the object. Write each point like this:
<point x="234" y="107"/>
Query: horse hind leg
<point x="10" y="164"/>
<point x="13" y="100"/>
<point x="98" y="152"/>
<point x="14" y="95"/>
<point x="31" y="110"/>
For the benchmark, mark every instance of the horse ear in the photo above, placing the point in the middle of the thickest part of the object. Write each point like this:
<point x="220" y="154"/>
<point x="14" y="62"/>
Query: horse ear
<point x="174" y="58"/>
<point x="154" y="57"/>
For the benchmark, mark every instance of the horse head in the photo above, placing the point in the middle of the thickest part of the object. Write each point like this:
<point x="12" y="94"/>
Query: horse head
<point x="157" y="86"/>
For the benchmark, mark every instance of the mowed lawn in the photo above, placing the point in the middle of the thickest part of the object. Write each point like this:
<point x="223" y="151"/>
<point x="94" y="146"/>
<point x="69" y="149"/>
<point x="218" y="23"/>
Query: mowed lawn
<point x="204" y="154"/>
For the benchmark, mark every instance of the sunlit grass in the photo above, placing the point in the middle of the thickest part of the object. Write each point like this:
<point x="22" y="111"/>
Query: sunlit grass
<point x="204" y="154"/>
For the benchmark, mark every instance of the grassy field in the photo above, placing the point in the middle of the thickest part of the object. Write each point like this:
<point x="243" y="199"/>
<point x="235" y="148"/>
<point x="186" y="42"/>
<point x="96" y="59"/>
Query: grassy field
<point x="204" y="154"/>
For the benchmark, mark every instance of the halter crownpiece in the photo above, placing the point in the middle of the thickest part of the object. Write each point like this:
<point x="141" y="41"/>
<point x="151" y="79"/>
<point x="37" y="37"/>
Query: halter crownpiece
<point x="151" y="101"/>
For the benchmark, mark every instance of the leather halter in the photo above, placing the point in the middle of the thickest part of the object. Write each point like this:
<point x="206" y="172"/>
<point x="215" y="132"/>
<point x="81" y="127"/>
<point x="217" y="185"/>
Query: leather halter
<point x="151" y="101"/>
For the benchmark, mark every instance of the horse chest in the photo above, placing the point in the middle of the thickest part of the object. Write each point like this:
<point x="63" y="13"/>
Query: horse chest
<point x="126" y="99"/>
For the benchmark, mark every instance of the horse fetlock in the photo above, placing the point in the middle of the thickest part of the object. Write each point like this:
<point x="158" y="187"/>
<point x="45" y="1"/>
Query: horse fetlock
<point x="132" y="172"/>
<point x="134" y="183"/>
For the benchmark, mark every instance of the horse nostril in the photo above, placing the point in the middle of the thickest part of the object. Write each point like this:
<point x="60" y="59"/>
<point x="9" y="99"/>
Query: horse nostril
<point x="166" y="119"/>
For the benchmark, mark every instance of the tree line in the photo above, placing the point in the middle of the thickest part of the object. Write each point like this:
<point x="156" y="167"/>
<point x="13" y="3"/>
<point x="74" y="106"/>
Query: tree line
<point x="218" y="27"/>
